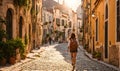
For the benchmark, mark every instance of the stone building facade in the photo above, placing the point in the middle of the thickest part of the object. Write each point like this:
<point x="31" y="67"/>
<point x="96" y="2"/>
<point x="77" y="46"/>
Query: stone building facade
<point x="18" y="20"/>
<point x="65" y="21"/>
<point x="36" y="19"/>
<point x="47" y="20"/>
<point x="104" y="19"/>
<point x="63" y="18"/>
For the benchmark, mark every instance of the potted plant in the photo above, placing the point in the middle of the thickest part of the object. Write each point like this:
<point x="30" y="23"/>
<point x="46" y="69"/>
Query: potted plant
<point x="21" y="2"/>
<point x="2" y="59"/>
<point x="20" y="48"/>
<point x="98" y="55"/>
<point x="2" y="20"/>
<point x="11" y="51"/>
<point x="2" y="54"/>
<point x="2" y="34"/>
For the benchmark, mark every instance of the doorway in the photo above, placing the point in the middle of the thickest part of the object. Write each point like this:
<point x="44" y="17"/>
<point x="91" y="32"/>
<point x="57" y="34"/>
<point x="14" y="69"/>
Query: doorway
<point x="9" y="25"/>
<point x="106" y="39"/>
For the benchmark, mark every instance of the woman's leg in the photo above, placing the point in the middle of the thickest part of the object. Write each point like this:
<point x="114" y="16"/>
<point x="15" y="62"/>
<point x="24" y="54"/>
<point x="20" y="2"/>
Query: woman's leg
<point x="73" y="57"/>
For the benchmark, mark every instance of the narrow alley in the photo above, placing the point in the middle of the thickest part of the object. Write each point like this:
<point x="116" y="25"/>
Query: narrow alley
<point x="56" y="58"/>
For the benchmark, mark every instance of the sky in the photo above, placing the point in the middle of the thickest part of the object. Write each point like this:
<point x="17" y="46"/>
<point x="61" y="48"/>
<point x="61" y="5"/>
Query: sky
<point x="71" y="3"/>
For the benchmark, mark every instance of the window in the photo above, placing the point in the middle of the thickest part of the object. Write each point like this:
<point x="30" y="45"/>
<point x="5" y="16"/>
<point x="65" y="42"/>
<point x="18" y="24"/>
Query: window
<point x="106" y="31"/>
<point x="62" y="22"/>
<point x="70" y="24"/>
<point x="118" y="21"/>
<point x="9" y="24"/>
<point x="65" y="22"/>
<point x="58" y="21"/>
<point x="96" y="29"/>
<point x="20" y="27"/>
<point x="106" y="12"/>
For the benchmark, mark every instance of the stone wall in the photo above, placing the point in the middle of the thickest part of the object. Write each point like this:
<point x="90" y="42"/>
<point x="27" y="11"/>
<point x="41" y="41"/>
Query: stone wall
<point x="114" y="55"/>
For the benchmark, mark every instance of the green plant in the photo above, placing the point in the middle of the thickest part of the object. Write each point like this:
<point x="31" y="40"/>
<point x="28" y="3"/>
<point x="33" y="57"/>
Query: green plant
<point x="2" y="20"/>
<point x="32" y="11"/>
<point x="96" y="55"/>
<point x="19" y="44"/>
<point x="2" y="55"/>
<point x="2" y="49"/>
<point x="12" y="45"/>
<point x="11" y="48"/>
<point x="2" y="34"/>
<point x="2" y="58"/>
<point x="21" y="2"/>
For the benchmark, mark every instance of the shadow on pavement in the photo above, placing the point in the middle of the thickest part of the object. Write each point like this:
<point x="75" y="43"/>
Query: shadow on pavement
<point x="62" y="48"/>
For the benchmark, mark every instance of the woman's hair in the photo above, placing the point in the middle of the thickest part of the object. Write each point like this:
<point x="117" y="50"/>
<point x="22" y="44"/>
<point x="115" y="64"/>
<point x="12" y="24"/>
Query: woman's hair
<point x="72" y="36"/>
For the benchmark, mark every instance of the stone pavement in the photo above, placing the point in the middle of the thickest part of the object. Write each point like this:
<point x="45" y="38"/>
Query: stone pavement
<point x="56" y="58"/>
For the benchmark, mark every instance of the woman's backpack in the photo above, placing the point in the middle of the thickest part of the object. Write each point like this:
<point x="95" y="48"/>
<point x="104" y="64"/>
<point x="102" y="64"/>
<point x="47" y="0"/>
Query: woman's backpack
<point x="73" y="45"/>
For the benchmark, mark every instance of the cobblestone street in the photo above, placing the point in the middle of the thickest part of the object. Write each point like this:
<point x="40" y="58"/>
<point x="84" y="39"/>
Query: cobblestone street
<point x="56" y="58"/>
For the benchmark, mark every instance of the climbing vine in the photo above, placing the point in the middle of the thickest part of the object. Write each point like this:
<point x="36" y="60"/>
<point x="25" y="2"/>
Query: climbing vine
<point x="21" y="2"/>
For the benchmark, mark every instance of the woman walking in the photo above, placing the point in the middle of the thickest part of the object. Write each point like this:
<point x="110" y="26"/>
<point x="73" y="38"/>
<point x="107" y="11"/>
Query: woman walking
<point x="72" y="47"/>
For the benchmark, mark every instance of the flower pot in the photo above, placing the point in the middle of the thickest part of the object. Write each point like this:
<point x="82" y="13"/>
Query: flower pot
<point x="18" y="57"/>
<point x="12" y="60"/>
<point x="3" y="62"/>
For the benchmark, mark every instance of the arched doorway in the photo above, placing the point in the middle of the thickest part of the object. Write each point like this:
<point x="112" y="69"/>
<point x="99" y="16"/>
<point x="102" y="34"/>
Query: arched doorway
<point x="106" y="32"/>
<point x="9" y="24"/>
<point x="20" y="26"/>
<point x="118" y="20"/>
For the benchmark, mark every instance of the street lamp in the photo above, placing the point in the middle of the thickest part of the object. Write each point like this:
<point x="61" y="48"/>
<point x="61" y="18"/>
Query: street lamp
<point x="93" y="16"/>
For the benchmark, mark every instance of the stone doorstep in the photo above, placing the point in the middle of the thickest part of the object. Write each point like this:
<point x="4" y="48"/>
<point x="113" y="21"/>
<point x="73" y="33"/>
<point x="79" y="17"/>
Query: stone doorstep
<point x="90" y="56"/>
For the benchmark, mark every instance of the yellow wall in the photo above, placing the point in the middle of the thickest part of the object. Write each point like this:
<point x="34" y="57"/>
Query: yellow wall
<point x="112" y="23"/>
<point x="99" y="13"/>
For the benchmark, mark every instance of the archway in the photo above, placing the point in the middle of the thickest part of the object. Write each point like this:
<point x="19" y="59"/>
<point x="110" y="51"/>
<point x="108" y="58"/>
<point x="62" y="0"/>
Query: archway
<point x="9" y="24"/>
